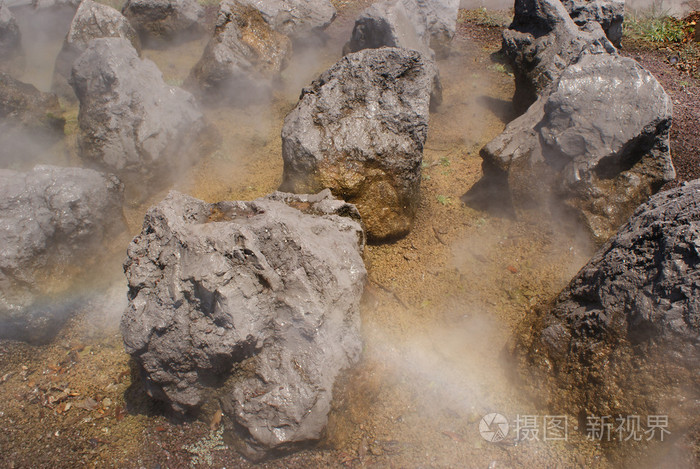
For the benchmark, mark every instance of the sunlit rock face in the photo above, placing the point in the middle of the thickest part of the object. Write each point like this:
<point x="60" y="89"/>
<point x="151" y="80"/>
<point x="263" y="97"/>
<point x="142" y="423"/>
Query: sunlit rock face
<point x="296" y="19"/>
<point x="30" y="123"/>
<point x="595" y="142"/>
<point x="427" y="26"/>
<point x="254" y="304"/>
<point x="165" y="20"/>
<point x="131" y="121"/>
<point x="53" y="221"/>
<point x="92" y="20"/>
<point x="624" y="337"/>
<point x="597" y="146"/>
<point x="242" y="59"/>
<point x="608" y="13"/>
<point x="359" y="130"/>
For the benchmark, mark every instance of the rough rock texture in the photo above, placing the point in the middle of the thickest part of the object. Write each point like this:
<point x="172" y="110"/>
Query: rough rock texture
<point x="608" y="13"/>
<point x="296" y="19"/>
<point x="254" y="303"/>
<point x="51" y="219"/>
<point x="624" y="336"/>
<point x="541" y="42"/>
<point x="165" y="20"/>
<point x="92" y="20"/>
<point x="242" y="58"/>
<point x="10" y="37"/>
<point x="599" y="143"/>
<point x="427" y="26"/>
<point x="359" y="130"/>
<point x="30" y="121"/>
<point x="55" y="4"/>
<point x="130" y="120"/>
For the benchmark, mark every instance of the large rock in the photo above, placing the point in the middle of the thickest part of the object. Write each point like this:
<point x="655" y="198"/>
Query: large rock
<point x="92" y="21"/>
<point x="624" y="337"/>
<point x="165" y="20"/>
<point x="30" y="122"/>
<point x="255" y="304"/>
<point x="608" y="13"/>
<point x="599" y="144"/>
<point x="541" y="42"/>
<point x="427" y="26"/>
<point x="52" y="221"/>
<point x="130" y="120"/>
<point x="296" y="19"/>
<point x="10" y="37"/>
<point x="243" y="57"/>
<point x="359" y="130"/>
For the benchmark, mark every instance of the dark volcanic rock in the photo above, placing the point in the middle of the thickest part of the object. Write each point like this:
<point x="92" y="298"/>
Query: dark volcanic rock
<point x="359" y="130"/>
<point x="165" y="20"/>
<point x="243" y="57"/>
<point x="624" y="336"/>
<point x="30" y="121"/>
<point x="608" y="13"/>
<point x="599" y="143"/>
<point x="92" y="20"/>
<point x="254" y="303"/>
<point x="130" y="120"/>
<point x="10" y="37"/>
<point x="541" y="42"/>
<point x="51" y="220"/>
<point x="296" y="19"/>
<point x="423" y="25"/>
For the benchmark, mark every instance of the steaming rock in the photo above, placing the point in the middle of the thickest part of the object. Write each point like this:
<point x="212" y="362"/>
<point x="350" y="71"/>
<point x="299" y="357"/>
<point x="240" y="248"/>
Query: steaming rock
<point x="10" y="37"/>
<point x="254" y="303"/>
<point x="608" y="13"/>
<point x="92" y="20"/>
<point x="51" y="219"/>
<point x="296" y="19"/>
<point x="55" y="4"/>
<point x="359" y="130"/>
<point x="570" y="148"/>
<point x="165" y="20"/>
<point x="624" y="336"/>
<point x="541" y="42"/>
<point x="30" y="121"/>
<point x="422" y="25"/>
<point x="130" y="120"/>
<point x="242" y="58"/>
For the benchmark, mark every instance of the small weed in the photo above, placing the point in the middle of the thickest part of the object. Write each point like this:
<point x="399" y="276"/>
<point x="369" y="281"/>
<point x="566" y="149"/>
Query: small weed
<point x="445" y="161"/>
<point x="174" y="81"/>
<point x="201" y="450"/>
<point x="426" y="177"/>
<point x="444" y="200"/>
<point x="654" y="26"/>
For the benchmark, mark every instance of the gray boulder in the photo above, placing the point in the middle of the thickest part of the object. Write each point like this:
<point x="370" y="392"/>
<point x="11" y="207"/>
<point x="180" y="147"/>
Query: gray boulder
<point x="598" y="144"/>
<point x="31" y="122"/>
<point x="243" y="58"/>
<point x="92" y="20"/>
<point x="296" y="19"/>
<point x="52" y="221"/>
<point x="130" y="120"/>
<point x="55" y="5"/>
<point x="624" y="336"/>
<point x="427" y="26"/>
<point x="359" y="129"/>
<point x="541" y="42"/>
<point x="165" y="20"/>
<point x="608" y="13"/>
<point x="255" y="304"/>
<point x="10" y="37"/>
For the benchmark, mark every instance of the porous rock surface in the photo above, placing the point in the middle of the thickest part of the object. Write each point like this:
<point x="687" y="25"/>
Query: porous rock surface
<point x="164" y="20"/>
<point x="51" y="220"/>
<point x="296" y="19"/>
<point x="359" y="130"/>
<point x="608" y="13"/>
<point x="255" y="304"/>
<point x="624" y="336"/>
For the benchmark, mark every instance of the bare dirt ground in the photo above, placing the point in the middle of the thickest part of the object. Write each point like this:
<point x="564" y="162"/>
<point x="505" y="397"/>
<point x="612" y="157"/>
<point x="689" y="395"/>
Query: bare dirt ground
<point x="438" y="311"/>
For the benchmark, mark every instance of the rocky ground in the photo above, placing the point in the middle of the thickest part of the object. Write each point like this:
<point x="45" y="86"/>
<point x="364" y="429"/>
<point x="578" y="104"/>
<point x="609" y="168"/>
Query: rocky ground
<point x="439" y="309"/>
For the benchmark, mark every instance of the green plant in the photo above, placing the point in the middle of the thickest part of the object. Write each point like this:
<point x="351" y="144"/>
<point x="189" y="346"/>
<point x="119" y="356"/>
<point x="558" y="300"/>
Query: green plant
<point x="654" y="25"/>
<point x="444" y="200"/>
<point x="444" y="161"/>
